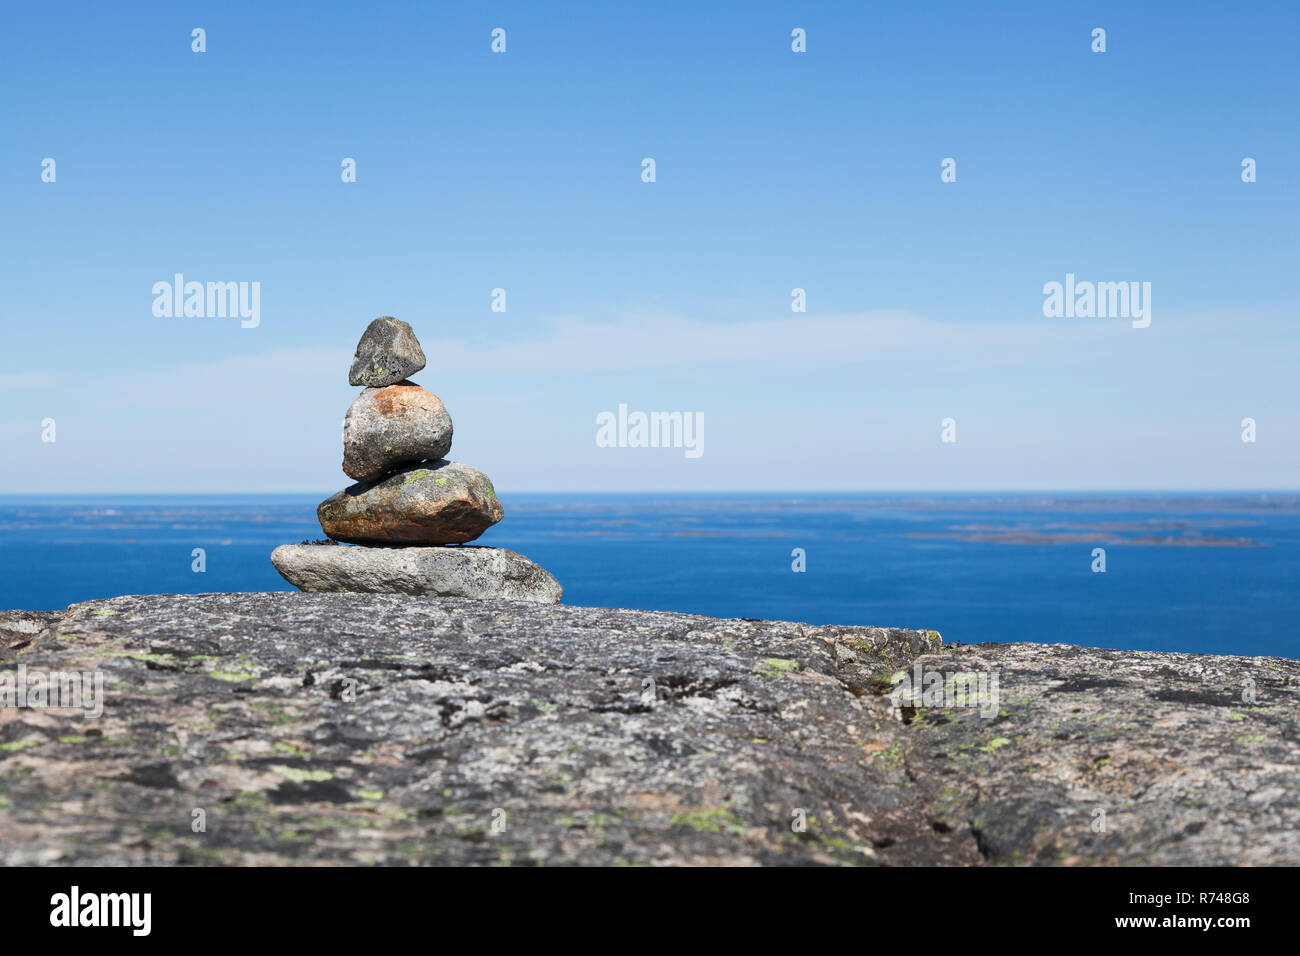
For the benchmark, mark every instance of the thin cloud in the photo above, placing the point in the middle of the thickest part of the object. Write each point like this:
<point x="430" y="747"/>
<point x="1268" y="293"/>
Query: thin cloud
<point x="24" y="380"/>
<point x="659" y="340"/>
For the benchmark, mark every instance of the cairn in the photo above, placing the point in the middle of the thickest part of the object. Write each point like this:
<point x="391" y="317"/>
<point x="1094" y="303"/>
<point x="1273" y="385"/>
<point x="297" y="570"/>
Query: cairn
<point x="410" y="504"/>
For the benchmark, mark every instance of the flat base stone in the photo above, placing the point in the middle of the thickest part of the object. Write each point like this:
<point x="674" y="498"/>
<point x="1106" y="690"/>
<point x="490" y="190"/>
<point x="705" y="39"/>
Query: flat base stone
<point x="473" y="572"/>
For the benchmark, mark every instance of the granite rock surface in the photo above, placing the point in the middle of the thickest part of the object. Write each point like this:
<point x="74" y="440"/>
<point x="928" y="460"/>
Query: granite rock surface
<point x="390" y="729"/>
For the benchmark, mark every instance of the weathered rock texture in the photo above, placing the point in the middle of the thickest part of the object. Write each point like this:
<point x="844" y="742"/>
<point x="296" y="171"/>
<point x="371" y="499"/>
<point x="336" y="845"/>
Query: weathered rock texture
<point x="387" y="353"/>
<point x="441" y="571"/>
<point x="391" y="426"/>
<point x="437" y="502"/>
<point x="394" y="730"/>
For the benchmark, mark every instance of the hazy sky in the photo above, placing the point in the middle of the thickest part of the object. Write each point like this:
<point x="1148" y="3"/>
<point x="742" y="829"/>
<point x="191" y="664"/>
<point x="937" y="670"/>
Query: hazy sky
<point x="775" y="170"/>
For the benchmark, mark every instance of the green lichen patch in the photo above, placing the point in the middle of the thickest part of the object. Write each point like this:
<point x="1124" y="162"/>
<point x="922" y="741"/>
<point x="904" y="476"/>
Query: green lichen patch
<point x="417" y="475"/>
<point x="234" y="677"/>
<point x="298" y="775"/>
<point x="712" y="820"/>
<point x="776" y="666"/>
<point x="289" y="750"/>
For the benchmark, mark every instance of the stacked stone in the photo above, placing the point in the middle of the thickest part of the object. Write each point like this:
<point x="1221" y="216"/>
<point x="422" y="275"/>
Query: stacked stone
<point x="409" y="500"/>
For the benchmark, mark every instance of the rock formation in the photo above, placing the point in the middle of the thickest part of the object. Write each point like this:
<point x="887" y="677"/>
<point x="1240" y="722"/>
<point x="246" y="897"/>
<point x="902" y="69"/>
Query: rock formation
<point x="408" y="495"/>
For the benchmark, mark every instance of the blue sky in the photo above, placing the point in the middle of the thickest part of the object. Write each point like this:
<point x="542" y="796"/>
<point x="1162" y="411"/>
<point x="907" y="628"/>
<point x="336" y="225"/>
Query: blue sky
<point x="774" y="170"/>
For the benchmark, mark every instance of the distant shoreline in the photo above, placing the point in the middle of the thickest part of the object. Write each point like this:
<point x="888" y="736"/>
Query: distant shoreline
<point x="1030" y="537"/>
<point x="1269" y="499"/>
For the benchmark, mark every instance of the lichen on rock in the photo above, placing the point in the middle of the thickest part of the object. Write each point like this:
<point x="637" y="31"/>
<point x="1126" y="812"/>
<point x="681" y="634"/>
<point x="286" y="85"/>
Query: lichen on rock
<point x="389" y="729"/>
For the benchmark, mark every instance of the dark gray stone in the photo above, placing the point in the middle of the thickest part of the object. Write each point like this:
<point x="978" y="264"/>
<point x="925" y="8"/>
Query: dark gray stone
<point x="387" y="353"/>
<point x="469" y="571"/>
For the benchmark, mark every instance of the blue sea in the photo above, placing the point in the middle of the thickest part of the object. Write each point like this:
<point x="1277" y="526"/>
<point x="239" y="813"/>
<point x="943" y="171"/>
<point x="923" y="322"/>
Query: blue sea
<point x="1198" y="573"/>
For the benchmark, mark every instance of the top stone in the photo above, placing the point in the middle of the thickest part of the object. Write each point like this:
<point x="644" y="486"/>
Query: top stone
<point x="387" y="353"/>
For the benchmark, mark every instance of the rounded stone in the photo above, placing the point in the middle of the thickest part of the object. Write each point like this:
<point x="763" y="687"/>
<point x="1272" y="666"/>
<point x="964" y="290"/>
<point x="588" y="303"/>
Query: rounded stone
<point x="391" y="426"/>
<point x="387" y="353"/>
<point x="435" y="502"/>
<point x="470" y="572"/>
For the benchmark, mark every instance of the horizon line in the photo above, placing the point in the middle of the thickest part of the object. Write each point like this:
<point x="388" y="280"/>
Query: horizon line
<point x="699" y="491"/>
